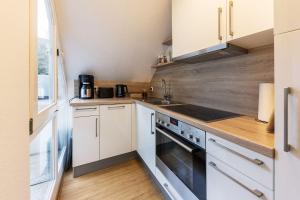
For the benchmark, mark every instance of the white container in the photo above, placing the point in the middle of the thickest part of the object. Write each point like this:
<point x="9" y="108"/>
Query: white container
<point x="266" y="101"/>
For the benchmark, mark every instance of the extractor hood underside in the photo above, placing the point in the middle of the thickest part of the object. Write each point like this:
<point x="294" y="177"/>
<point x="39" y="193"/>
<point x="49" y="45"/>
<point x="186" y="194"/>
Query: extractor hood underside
<point x="213" y="53"/>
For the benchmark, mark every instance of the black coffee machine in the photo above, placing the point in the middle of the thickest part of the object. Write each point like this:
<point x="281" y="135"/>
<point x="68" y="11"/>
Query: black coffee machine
<point x="121" y="90"/>
<point x="86" y="86"/>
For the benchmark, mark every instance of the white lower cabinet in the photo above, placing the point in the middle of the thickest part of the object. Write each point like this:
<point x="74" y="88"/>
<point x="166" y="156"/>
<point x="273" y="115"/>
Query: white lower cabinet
<point x="101" y="132"/>
<point x="224" y="182"/>
<point x="115" y="130"/>
<point x="85" y="140"/>
<point x="259" y="167"/>
<point x="145" y="121"/>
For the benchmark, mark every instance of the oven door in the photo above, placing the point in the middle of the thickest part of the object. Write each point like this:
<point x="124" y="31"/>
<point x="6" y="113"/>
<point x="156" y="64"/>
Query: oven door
<point x="182" y="163"/>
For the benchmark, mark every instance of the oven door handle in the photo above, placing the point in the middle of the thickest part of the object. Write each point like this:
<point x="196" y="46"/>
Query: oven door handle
<point x="175" y="140"/>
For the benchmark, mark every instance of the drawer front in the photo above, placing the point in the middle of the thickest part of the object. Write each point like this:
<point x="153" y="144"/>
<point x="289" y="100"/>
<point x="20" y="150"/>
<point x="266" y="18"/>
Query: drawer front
<point x="224" y="182"/>
<point x="85" y="111"/>
<point x="167" y="186"/>
<point x="254" y="165"/>
<point x="115" y="107"/>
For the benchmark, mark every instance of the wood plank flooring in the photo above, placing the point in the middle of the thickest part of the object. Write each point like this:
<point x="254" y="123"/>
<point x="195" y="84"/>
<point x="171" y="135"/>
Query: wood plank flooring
<point x="127" y="181"/>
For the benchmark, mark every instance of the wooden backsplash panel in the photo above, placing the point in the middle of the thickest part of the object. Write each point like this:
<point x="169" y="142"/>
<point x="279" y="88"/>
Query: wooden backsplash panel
<point x="133" y="87"/>
<point x="228" y="84"/>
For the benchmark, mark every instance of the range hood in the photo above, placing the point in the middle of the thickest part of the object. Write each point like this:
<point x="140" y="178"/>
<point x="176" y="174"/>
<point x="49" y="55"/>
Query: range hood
<point x="213" y="53"/>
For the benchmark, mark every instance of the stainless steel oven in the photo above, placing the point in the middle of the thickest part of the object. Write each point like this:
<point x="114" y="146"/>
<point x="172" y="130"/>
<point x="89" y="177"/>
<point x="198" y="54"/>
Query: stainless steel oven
<point x="181" y="156"/>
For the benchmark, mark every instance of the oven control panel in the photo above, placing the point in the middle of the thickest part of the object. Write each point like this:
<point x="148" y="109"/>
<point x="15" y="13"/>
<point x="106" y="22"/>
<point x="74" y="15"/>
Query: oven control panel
<point x="187" y="131"/>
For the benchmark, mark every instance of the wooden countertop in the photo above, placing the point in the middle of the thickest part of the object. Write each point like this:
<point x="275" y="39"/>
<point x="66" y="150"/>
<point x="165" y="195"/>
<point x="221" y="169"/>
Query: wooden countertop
<point x="244" y="131"/>
<point x="107" y="101"/>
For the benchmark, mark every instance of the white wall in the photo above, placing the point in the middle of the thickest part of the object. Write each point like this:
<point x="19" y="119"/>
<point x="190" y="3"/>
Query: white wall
<point x="113" y="39"/>
<point x="14" y="101"/>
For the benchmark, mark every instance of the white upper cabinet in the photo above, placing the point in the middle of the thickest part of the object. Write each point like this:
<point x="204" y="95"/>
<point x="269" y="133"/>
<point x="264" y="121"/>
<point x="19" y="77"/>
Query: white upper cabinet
<point x="287" y="16"/>
<point x="197" y="24"/>
<point x="247" y="17"/>
<point x="200" y="24"/>
<point x="115" y="130"/>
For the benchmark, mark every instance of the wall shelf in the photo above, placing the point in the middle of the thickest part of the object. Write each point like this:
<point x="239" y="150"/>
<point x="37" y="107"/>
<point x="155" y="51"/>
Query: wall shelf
<point x="168" y="42"/>
<point x="164" y="65"/>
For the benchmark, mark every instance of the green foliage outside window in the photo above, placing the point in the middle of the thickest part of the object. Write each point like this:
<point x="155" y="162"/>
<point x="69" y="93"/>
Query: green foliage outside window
<point x="43" y="56"/>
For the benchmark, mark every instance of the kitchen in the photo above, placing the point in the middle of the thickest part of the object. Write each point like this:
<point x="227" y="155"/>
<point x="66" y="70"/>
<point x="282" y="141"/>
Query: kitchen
<point x="172" y="99"/>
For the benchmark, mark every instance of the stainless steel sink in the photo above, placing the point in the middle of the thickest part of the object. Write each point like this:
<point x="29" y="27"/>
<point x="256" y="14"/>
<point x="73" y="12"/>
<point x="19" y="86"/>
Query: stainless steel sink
<point x="159" y="102"/>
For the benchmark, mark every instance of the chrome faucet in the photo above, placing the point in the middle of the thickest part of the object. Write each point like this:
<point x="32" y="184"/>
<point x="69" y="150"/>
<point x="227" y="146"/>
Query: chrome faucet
<point x="166" y="94"/>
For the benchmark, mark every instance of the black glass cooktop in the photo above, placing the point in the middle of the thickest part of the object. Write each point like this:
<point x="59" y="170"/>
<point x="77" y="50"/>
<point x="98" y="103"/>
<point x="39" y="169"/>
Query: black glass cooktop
<point x="201" y="113"/>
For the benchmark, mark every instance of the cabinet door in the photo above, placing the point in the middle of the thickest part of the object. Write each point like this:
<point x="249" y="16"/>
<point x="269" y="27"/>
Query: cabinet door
<point x="246" y="17"/>
<point x="115" y="130"/>
<point x="224" y="182"/>
<point x="287" y="70"/>
<point x="85" y="140"/>
<point x="145" y="119"/>
<point x="197" y="24"/>
<point x="286" y="16"/>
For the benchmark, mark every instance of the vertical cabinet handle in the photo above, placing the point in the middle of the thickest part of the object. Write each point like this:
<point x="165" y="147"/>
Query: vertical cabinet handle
<point x="219" y="24"/>
<point x="286" y="146"/>
<point x="230" y="18"/>
<point x="96" y="127"/>
<point x="152" y="115"/>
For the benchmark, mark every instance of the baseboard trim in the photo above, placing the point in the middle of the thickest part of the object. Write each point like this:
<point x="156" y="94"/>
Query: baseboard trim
<point x="102" y="164"/>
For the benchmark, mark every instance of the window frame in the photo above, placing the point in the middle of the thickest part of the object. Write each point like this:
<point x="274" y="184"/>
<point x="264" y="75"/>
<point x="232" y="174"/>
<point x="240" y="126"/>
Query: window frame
<point x="40" y="118"/>
<point x="43" y="117"/>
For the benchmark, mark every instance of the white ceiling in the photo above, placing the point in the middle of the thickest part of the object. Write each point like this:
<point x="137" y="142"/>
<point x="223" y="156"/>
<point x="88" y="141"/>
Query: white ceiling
<point x="113" y="39"/>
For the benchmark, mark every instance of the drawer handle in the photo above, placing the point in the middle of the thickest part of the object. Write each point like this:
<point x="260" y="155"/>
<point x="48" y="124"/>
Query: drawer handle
<point x="255" y="161"/>
<point x="81" y="109"/>
<point x="166" y="186"/>
<point x="116" y="107"/>
<point x="256" y="192"/>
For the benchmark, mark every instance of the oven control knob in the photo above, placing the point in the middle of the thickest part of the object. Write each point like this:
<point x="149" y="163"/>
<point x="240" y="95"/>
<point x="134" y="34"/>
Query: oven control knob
<point x="168" y="125"/>
<point x="197" y="140"/>
<point x="191" y="136"/>
<point x="181" y="132"/>
<point x="162" y="122"/>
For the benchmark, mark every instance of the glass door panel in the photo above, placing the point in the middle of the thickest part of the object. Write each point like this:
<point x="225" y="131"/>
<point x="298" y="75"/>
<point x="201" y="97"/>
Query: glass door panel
<point x="62" y="129"/>
<point x="42" y="163"/>
<point x="45" y="55"/>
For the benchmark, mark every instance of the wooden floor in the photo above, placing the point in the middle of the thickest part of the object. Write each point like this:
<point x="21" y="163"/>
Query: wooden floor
<point x="122" y="182"/>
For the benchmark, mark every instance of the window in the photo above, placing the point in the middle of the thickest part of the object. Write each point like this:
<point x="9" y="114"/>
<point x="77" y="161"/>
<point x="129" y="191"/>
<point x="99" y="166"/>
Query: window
<point x="41" y="163"/>
<point x="45" y="57"/>
<point x="49" y="128"/>
<point x="48" y="140"/>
